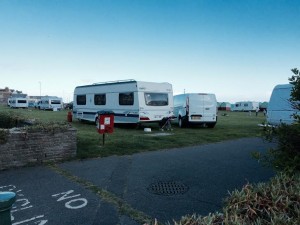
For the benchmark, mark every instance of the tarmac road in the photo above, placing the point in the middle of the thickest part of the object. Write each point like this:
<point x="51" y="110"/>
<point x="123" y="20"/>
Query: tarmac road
<point x="130" y="190"/>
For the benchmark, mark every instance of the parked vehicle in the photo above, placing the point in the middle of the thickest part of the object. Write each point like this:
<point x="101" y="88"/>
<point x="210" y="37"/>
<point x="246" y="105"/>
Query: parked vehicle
<point x="18" y="102"/>
<point x="280" y="109"/>
<point x="131" y="101"/>
<point x="50" y="103"/>
<point x="32" y="103"/>
<point x="68" y="106"/>
<point x="245" y="106"/>
<point x="195" y="108"/>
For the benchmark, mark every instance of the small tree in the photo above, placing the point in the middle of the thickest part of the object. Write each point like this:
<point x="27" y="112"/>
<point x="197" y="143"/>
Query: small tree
<point x="295" y="94"/>
<point x="286" y="156"/>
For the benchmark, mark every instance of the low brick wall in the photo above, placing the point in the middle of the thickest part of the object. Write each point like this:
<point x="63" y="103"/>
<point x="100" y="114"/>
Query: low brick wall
<point x="24" y="148"/>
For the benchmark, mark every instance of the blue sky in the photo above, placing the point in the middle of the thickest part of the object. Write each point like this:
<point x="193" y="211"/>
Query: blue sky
<point x="237" y="49"/>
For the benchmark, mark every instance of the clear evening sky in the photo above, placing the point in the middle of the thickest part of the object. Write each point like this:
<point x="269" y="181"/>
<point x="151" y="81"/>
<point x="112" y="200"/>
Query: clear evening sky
<point x="237" y="49"/>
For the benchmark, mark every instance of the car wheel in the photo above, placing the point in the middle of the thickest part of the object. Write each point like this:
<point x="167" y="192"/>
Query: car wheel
<point x="211" y="125"/>
<point x="181" y="122"/>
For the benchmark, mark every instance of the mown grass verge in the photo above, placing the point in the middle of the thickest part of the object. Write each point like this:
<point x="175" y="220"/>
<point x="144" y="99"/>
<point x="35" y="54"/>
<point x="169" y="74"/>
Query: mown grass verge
<point x="128" y="140"/>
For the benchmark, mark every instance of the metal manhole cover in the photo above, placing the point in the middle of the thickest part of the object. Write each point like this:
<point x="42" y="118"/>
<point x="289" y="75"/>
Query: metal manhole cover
<point x="167" y="188"/>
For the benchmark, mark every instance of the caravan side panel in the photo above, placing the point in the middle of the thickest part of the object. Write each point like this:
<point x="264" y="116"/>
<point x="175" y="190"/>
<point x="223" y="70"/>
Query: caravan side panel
<point x="131" y="102"/>
<point x="51" y="103"/>
<point x="18" y="102"/>
<point x="245" y="106"/>
<point x="279" y="108"/>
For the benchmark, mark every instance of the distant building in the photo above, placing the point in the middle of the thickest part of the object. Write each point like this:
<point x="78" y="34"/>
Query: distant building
<point x="4" y="95"/>
<point x="226" y="106"/>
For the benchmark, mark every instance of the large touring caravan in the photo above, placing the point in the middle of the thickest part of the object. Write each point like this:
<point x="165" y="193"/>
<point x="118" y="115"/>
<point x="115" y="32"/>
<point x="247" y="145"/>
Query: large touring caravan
<point x="131" y="101"/>
<point x="195" y="108"/>
<point x="18" y="102"/>
<point x="245" y="106"/>
<point x="50" y="103"/>
<point x="280" y="109"/>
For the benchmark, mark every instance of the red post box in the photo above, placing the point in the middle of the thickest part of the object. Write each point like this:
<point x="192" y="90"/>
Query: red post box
<point x="69" y="117"/>
<point x="105" y="122"/>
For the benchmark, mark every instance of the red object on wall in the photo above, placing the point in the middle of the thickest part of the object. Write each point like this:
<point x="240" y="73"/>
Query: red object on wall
<point x="105" y="122"/>
<point x="69" y="117"/>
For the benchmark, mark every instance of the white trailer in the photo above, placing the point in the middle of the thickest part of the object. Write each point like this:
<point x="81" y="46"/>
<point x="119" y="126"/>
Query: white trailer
<point x="245" y="106"/>
<point x="50" y="103"/>
<point x="280" y="109"/>
<point x="131" y="101"/>
<point x="195" y="108"/>
<point x="18" y="102"/>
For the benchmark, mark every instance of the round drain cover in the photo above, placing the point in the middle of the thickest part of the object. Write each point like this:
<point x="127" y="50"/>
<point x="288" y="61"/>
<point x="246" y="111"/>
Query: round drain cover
<point x="167" y="188"/>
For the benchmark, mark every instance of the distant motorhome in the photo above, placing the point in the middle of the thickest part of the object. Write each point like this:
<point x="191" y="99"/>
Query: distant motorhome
<point x="195" y="108"/>
<point x="280" y="109"/>
<point x="18" y="102"/>
<point x="245" y="106"/>
<point x="50" y="103"/>
<point x="131" y="101"/>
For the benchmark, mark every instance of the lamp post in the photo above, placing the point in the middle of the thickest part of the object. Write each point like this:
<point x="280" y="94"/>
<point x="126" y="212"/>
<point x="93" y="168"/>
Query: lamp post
<point x="40" y="89"/>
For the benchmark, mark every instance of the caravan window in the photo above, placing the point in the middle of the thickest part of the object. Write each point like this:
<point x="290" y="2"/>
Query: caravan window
<point x="126" y="98"/>
<point x="156" y="99"/>
<point x="22" y="101"/>
<point x="100" y="99"/>
<point x="55" y="102"/>
<point x="81" y="99"/>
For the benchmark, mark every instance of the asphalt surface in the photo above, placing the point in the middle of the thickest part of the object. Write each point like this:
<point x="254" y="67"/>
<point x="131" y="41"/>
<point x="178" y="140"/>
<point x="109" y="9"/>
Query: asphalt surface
<point x="133" y="189"/>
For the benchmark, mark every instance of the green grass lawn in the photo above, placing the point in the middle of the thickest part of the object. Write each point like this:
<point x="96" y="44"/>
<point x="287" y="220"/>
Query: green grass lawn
<point x="129" y="140"/>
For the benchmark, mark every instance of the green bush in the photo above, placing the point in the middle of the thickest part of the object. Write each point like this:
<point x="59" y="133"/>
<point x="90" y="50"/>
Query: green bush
<point x="274" y="202"/>
<point x="286" y="156"/>
<point x="51" y="127"/>
<point x="9" y="119"/>
<point x="3" y="136"/>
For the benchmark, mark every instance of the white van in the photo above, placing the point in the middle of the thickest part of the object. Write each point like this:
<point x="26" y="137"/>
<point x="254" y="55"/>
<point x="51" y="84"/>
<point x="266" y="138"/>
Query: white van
<point x="195" y="108"/>
<point x="279" y="108"/>
<point x="50" y="103"/>
<point x="131" y="101"/>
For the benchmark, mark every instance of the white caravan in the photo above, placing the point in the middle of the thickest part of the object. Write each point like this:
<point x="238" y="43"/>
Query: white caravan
<point x="18" y="102"/>
<point x="131" y="101"/>
<point x="245" y="106"/>
<point x="279" y="108"/>
<point x="195" y="108"/>
<point x="50" y="103"/>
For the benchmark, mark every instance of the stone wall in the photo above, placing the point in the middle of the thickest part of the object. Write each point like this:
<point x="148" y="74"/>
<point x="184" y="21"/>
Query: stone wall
<point x="30" y="148"/>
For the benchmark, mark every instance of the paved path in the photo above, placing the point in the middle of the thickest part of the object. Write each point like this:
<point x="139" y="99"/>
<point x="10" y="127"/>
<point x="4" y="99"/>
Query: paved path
<point x="132" y="189"/>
